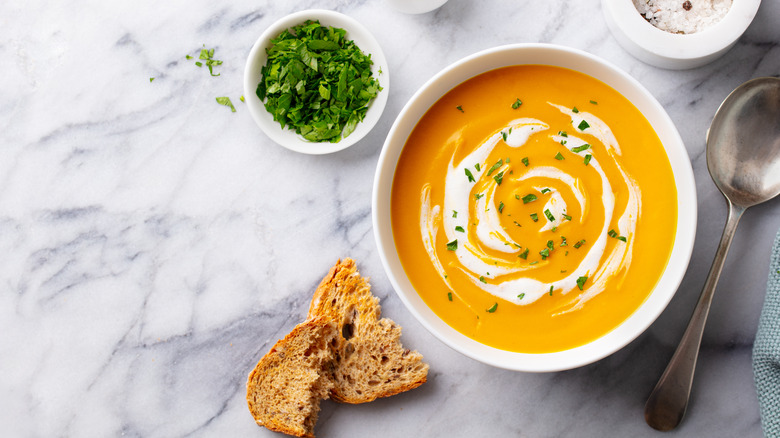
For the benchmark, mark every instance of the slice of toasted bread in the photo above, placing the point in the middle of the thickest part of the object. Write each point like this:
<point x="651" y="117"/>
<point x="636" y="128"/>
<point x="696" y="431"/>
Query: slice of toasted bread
<point x="285" y="388"/>
<point x="370" y="361"/>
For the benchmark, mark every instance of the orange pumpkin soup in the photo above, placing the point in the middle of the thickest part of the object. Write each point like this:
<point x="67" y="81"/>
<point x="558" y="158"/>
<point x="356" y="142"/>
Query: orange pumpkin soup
<point x="533" y="208"/>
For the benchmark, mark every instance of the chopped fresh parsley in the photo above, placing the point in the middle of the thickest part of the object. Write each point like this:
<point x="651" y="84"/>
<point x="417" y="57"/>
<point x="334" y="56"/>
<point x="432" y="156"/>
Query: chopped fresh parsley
<point x="534" y="217"/>
<point x="587" y="159"/>
<point x="469" y="175"/>
<point x="529" y="198"/>
<point x="478" y="195"/>
<point x="500" y="207"/>
<point x="581" y="282"/>
<point x="545" y="253"/>
<point x="151" y="79"/>
<point x="517" y="104"/>
<point x="449" y="296"/>
<point x="579" y="243"/>
<point x="226" y="101"/>
<point x="563" y="133"/>
<point x="575" y="110"/>
<point x="482" y="279"/>
<point x="549" y="215"/>
<point x="521" y="296"/>
<point x="551" y="289"/>
<point x="493" y="308"/>
<point x="459" y="228"/>
<point x="545" y="190"/>
<point x="563" y="241"/>
<point x="594" y="102"/>
<point x="454" y="213"/>
<point x="503" y="135"/>
<point x="499" y="177"/>
<point x="476" y="166"/>
<point x="524" y="255"/>
<point x="583" y="125"/>
<point x="317" y="82"/>
<point x="452" y="246"/>
<point x="525" y="161"/>
<point x="580" y="148"/>
<point x="207" y="55"/>
<point x="613" y="233"/>
<point x="494" y="167"/>
<point x="566" y="216"/>
<point x="558" y="156"/>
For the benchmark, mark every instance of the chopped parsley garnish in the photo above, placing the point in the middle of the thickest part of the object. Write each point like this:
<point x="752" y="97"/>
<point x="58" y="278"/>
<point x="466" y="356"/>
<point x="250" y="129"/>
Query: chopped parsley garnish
<point x="549" y="215"/>
<point x="151" y="79"/>
<point x="476" y="166"/>
<point x="580" y="243"/>
<point x="551" y="289"/>
<point x="459" y="228"/>
<point x="583" y="125"/>
<point x="493" y="308"/>
<point x="575" y="110"/>
<point x="517" y="104"/>
<point x="529" y="198"/>
<point x="521" y="296"/>
<point x="208" y="56"/>
<point x="515" y="222"/>
<point x="499" y="177"/>
<point x="469" y="175"/>
<point x="563" y="133"/>
<point x="534" y="262"/>
<point x="517" y="196"/>
<point x="613" y="233"/>
<point x="226" y="101"/>
<point x="454" y="213"/>
<point x="460" y="108"/>
<point x="581" y="282"/>
<point x="452" y="246"/>
<point x="500" y="207"/>
<point x="558" y="156"/>
<point x="534" y="217"/>
<point x="449" y="296"/>
<point x="525" y="161"/>
<point x="587" y="158"/>
<point x="479" y="195"/>
<point x="563" y="241"/>
<point x="317" y="82"/>
<point x="551" y="245"/>
<point x="566" y="216"/>
<point x="545" y="253"/>
<point x="503" y="135"/>
<point x="594" y="102"/>
<point x="524" y="255"/>
<point x="495" y="166"/>
<point x="580" y="148"/>
<point x="482" y="279"/>
<point x="242" y="98"/>
<point x="545" y="190"/>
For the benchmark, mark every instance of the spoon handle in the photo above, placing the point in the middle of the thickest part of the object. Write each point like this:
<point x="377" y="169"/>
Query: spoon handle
<point x="667" y="403"/>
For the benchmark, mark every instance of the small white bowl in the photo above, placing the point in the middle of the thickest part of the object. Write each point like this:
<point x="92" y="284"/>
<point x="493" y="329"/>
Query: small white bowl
<point x="258" y="57"/>
<point x="585" y="63"/>
<point x="676" y="51"/>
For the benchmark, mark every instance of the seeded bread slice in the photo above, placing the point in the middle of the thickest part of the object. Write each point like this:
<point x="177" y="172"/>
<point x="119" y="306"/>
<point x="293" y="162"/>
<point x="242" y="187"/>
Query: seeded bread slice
<point x="369" y="360"/>
<point x="285" y="388"/>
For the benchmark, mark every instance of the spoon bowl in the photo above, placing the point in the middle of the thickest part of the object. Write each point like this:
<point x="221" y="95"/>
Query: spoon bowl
<point x="743" y="143"/>
<point x="743" y="157"/>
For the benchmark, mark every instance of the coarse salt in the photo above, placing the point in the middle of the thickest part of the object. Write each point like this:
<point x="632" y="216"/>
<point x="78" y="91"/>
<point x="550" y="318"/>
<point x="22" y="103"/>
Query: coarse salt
<point x="682" y="16"/>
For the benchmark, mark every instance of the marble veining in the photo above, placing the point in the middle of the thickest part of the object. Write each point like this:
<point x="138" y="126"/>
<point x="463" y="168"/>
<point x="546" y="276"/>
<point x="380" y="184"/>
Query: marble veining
<point x="154" y="245"/>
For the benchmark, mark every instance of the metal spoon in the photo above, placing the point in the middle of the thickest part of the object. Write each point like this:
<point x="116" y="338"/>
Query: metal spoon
<point x="743" y="157"/>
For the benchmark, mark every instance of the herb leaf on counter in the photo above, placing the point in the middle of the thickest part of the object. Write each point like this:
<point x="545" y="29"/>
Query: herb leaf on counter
<point x="317" y="82"/>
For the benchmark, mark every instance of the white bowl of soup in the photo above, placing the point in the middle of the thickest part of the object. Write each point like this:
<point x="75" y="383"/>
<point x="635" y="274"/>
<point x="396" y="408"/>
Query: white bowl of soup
<point x="534" y="207"/>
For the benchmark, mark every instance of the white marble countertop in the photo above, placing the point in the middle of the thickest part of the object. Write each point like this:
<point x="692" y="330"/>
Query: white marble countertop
<point x="153" y="245"/>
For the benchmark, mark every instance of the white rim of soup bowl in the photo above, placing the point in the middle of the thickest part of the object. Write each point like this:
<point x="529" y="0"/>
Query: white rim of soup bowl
<point x="258" y="57"/>
<point x="530" y="54"/>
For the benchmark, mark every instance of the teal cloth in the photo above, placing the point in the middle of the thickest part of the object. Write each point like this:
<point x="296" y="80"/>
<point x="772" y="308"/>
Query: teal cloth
<point x="766" y="350"/>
